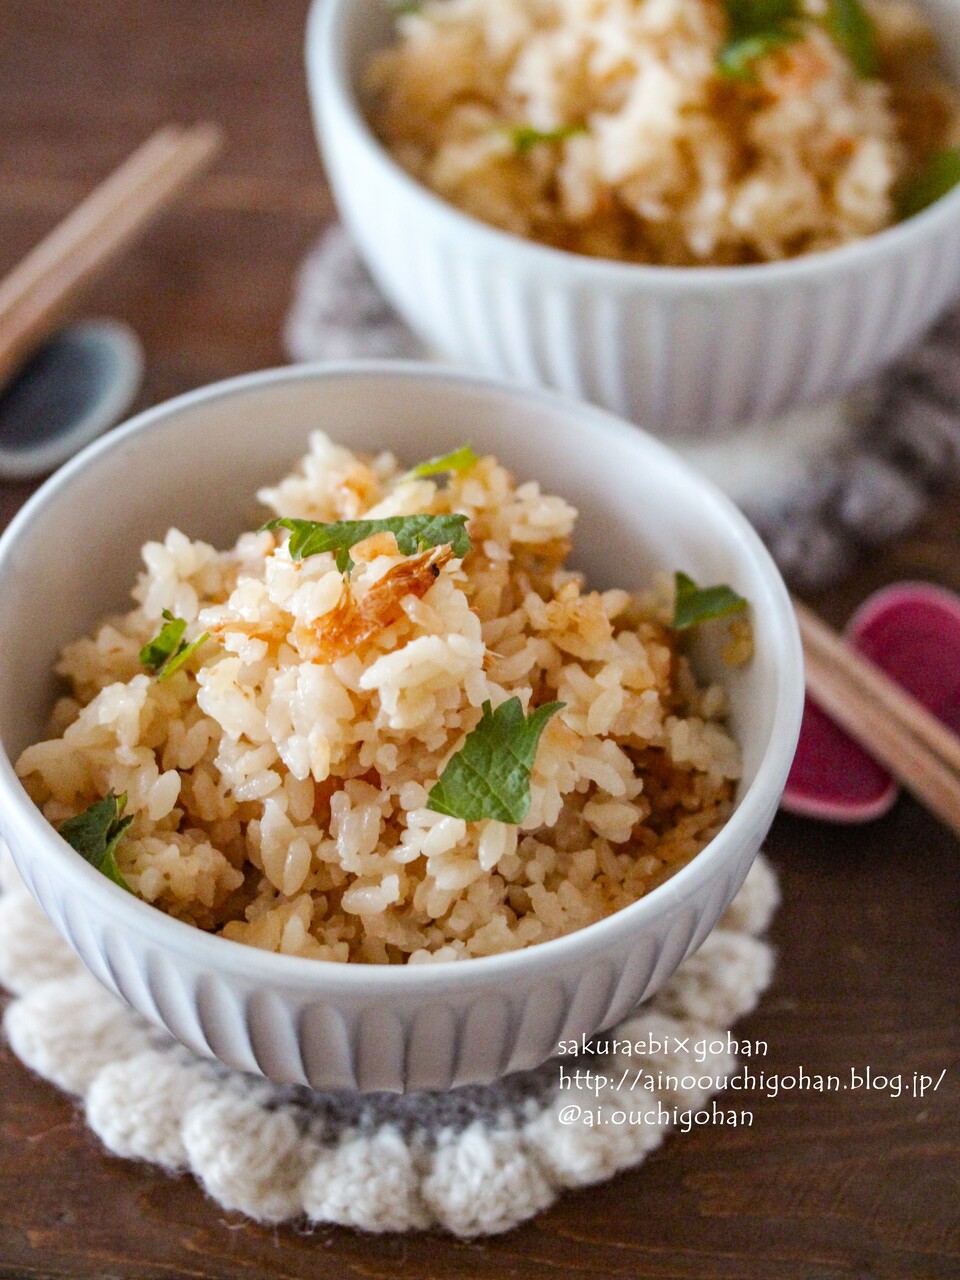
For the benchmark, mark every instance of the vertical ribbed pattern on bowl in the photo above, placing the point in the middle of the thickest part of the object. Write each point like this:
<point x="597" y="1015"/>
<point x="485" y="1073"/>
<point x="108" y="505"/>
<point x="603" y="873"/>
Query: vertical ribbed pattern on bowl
<point x="538" y="1017"/>
<point x="82" y="931"/>
<point x="173" y="993"/>
<point x="223" y="1021"/>
<point x="507" y="295"/>
<point x="432" y="1047"/>
<point x="127" y="976"/>
<point x="676" y="943"/>
<point x="325" y="1046"/>
<point x="483" y="1039"/>
<point x="604" y="352"/>
<point x="274" y="1039"/>
<point x="634" y="975"/>
<point x="379" y="1048"/>
<point x="589" y="1005"/>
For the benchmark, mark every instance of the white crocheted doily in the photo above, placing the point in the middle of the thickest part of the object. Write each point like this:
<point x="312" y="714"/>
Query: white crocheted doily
<point x="871" y="489"/>
<point x="474" y="1161"/>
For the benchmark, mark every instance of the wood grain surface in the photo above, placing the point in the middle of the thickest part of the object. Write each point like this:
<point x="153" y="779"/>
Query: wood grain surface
<point x="856" y="1184"/>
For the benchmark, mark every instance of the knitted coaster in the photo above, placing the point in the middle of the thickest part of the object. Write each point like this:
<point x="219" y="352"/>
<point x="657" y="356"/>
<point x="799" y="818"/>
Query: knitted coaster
<point x="476" y="1160"/>
<point x="869" y="491"/>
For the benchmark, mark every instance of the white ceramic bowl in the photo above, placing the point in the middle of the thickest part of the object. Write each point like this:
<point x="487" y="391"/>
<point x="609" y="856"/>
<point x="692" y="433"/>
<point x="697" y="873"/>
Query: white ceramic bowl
<point x="686" y="352"/>
<point x="71" y="556"/>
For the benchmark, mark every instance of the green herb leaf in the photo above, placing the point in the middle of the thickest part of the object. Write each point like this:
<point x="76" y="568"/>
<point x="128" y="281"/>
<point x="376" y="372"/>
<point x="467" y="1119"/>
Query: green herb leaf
<point x="489" y="777"/>
<point x="459" y="460"/>
<point x="524" y="136"/>
<point x="413" y="533"/>
<point x="165" y="644"/>
<point x="760" y="15"/>
<point x="736" y="59"/>
<point x="403" y="7"/>
<point x="183" y="654"/>
<point x="168" y="651"/>
<point x="941" y="175"/>
<point x="849" y="24"/>
<point x="754" y="17"/>
<point x="97" y="831"/>
<point x="757" y="27"/>
<point x="700" y="604"/>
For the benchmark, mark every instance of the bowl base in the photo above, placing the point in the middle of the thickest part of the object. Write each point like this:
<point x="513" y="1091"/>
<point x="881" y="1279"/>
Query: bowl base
<point x="765" y="464"/>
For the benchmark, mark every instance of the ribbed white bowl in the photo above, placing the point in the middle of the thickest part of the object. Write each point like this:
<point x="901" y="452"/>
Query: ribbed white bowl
<point x="683" y="351"/>
<point x="73" y="552"/>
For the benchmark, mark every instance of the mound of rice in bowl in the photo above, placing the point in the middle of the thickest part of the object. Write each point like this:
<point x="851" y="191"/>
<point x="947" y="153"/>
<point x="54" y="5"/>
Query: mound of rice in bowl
<point x="293" y="730"/>
<point x="676" y="132"/>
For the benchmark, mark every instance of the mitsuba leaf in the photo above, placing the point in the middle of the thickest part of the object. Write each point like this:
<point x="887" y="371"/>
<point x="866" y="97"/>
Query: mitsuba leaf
<point x="489" y="777"/>
<point x="97" y="831"/>
<point x="700" y="604"/>
<point x="756" y="28"/>
<point x="164" y="644"/>
<point x="941" y="175"/>
<point x="168" y="651"/>
<point x="849" y="24"/>
<point x="736" y="59"/>
<point x="749" y="16"/>
<point x="413" y="534"/>
<point x="458" y="460"/>
<point x="183" y="654"/>
<point x="525" y="136"/>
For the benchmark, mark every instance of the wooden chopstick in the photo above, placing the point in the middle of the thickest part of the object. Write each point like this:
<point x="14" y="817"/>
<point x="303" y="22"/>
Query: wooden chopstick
<point x="818" y="637"/>
<point x="892" y="726"/>
<point x="77" y="225"/>
<point x="38" y="292"/>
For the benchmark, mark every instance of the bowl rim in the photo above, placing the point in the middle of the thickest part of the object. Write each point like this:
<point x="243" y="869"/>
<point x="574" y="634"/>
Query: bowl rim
<point x="218" y="954"/>
<point x="329" y="80"/>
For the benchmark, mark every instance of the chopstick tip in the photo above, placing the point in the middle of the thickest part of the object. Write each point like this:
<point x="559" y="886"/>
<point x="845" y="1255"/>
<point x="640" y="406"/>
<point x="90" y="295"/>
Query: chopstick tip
<point x="208" y="135"/>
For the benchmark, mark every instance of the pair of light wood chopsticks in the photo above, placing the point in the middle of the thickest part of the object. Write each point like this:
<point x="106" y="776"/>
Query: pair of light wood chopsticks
<point x="38" y="292"/>
<point x="893" y="727"/>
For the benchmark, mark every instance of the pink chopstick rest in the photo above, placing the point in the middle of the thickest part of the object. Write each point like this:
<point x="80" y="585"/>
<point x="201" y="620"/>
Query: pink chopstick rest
<point x="912" y="631"/>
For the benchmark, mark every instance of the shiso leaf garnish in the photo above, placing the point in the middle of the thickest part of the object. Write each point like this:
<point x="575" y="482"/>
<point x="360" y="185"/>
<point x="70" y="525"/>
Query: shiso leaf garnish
<point x="701" y="604"/>
<point x="940" y="176"/>
<point x="457" y="460"/>
<point x="524" y="136"/>
<point x="413" y="534"/>
<point x="489" y="777"/>
<point x="757" y="27"/>
<point x="849" y="24"/>
<point x="168" y="651"/>
<point x="97" y="831"/>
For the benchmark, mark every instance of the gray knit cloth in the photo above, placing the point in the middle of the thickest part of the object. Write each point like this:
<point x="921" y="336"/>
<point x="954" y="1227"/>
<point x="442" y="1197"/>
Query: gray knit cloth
<point x="873" y="489"/>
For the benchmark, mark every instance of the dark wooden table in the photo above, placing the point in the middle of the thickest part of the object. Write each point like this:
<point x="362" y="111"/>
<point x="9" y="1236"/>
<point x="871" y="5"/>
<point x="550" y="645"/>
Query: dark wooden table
<point x="856" y="1184"/>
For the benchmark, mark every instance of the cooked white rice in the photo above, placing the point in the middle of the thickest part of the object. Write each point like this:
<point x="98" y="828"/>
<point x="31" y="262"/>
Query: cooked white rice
<point x="667" y="160"/>
<point x="279" y="785"/>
